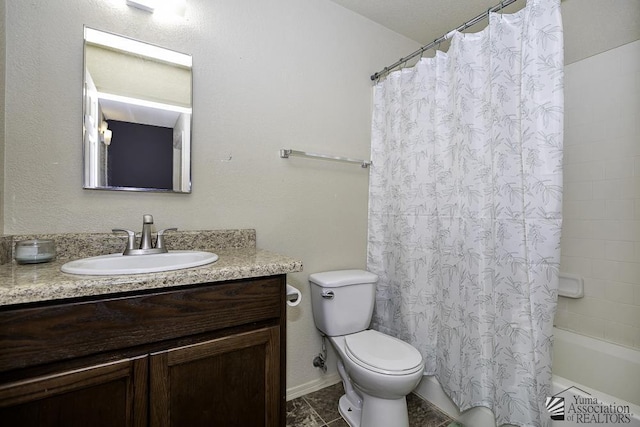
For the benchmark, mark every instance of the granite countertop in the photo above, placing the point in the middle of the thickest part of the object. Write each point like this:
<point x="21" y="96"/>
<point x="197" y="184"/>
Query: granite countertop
<point x="32" y="283"/>
<point x="28" y="283"/>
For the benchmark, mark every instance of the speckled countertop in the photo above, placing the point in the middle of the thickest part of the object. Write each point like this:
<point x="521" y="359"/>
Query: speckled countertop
<point x="21" y="284"/>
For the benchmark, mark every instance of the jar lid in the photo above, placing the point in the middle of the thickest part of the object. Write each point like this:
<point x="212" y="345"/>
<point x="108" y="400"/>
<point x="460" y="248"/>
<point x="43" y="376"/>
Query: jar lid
<point x="34" y="242"/>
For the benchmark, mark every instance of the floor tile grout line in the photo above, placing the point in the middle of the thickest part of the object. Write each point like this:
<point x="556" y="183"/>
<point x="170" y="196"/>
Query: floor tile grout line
<point x="338" y="395"/>
<point x="446" y="420"/>
<point x="323" y="422"/>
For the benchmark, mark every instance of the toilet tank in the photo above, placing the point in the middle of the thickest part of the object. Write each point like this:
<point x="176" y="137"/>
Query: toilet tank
<point x="342" y="301"/>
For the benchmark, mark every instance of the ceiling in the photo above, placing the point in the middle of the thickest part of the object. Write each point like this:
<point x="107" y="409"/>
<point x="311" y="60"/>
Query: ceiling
<point x="590" y="26"/>
<point x="423" y="20"/>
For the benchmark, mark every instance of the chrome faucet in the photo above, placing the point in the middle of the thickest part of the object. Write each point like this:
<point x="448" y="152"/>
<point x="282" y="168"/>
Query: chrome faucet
<point x="146" y="244"/>
<point x="145" y="239"/>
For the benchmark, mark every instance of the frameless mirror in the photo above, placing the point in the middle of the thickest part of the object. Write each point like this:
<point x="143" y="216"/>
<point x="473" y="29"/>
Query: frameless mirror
<point x="137" y="115"/>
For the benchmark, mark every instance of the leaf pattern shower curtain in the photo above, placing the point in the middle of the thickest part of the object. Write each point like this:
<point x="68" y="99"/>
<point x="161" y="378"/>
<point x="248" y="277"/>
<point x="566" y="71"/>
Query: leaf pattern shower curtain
<point x="465" y="210"/>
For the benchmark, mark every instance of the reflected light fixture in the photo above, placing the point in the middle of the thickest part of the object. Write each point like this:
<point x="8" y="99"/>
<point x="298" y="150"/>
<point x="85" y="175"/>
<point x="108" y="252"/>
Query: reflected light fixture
<point x="105" y="133"/>
<point x="175" y="7"/>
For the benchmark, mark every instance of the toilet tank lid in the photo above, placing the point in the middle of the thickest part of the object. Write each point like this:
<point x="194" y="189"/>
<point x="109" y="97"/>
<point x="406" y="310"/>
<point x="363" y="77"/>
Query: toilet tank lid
<point x="335" y="279"/>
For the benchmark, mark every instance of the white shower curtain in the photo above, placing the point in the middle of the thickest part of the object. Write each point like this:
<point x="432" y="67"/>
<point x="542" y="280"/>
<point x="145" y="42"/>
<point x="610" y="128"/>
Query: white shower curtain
<point x="465" y="210"/>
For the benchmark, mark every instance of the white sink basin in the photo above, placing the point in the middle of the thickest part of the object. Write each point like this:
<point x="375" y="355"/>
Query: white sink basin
<point x="112" y="264"/>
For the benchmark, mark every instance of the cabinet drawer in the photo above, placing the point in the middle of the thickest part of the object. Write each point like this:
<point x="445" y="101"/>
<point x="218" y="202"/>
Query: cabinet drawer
<point x="33" y="336"/>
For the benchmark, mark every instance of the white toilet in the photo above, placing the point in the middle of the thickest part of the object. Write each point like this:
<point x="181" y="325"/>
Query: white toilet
<point x="377" y="370"/>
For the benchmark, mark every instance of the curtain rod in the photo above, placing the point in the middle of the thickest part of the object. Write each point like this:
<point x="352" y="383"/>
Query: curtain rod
<point x="442" y="38"/>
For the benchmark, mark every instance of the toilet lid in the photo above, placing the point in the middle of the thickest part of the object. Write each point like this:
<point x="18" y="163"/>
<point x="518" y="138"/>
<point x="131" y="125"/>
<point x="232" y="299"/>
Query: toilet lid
<point x="382" y="353"/>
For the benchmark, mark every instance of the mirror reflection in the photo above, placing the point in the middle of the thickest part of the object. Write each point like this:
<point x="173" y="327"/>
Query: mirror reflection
<point x="137" y="115"/>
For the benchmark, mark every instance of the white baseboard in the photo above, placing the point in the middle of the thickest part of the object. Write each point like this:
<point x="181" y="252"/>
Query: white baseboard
<point x="311" y="386"/>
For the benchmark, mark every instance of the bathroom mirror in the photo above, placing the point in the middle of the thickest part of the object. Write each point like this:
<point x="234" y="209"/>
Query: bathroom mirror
<point x="136" y="115"/>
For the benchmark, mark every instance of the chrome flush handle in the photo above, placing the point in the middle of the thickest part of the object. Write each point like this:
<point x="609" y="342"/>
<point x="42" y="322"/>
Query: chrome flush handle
<point x="327" y="294"/>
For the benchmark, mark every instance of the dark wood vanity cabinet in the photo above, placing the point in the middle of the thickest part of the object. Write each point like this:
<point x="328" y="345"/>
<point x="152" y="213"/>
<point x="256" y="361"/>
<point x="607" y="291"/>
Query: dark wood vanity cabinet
<point x="203" y="355"/>
<point x="103" y="395"/>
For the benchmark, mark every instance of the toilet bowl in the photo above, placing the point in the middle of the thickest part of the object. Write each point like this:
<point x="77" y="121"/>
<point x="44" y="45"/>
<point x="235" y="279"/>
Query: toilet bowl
<point x="382" y="381"/>
<point x="377" y="370"/>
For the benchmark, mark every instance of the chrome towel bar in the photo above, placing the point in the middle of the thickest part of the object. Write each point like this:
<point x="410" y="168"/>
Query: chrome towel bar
<point x="285" y="153"/>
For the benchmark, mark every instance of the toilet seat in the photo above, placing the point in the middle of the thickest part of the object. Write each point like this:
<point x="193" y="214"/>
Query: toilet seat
<point x="382" y="353"/>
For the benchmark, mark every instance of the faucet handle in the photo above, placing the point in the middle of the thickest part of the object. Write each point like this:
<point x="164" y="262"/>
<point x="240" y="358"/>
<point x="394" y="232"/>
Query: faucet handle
<point x="160" y="239"/>
<point x="131" y="239"/>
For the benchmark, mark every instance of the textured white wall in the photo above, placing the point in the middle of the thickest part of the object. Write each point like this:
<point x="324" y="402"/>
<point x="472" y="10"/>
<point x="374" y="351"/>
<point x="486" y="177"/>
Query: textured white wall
<point x="601" y="228"/>
<point x="595" y="26"/>
<point x="2" y="104"/>
<point x="267" y="75"/>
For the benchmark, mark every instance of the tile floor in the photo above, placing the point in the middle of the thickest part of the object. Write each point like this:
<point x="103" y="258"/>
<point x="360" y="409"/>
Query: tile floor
<point x="320" y="409"/>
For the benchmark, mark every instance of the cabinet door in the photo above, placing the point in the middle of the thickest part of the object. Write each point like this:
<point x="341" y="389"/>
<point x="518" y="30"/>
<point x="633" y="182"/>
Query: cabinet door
<point x="230" y="381"/>
<point x="113" y="394"/>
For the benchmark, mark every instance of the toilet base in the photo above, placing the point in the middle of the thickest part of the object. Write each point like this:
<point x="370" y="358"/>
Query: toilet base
<point x="350" y="413"/>
<point x="375" y="412"/>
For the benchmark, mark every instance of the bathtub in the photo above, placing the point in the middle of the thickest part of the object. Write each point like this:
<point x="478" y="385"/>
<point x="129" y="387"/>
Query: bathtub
<point x="587" y="372"/>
